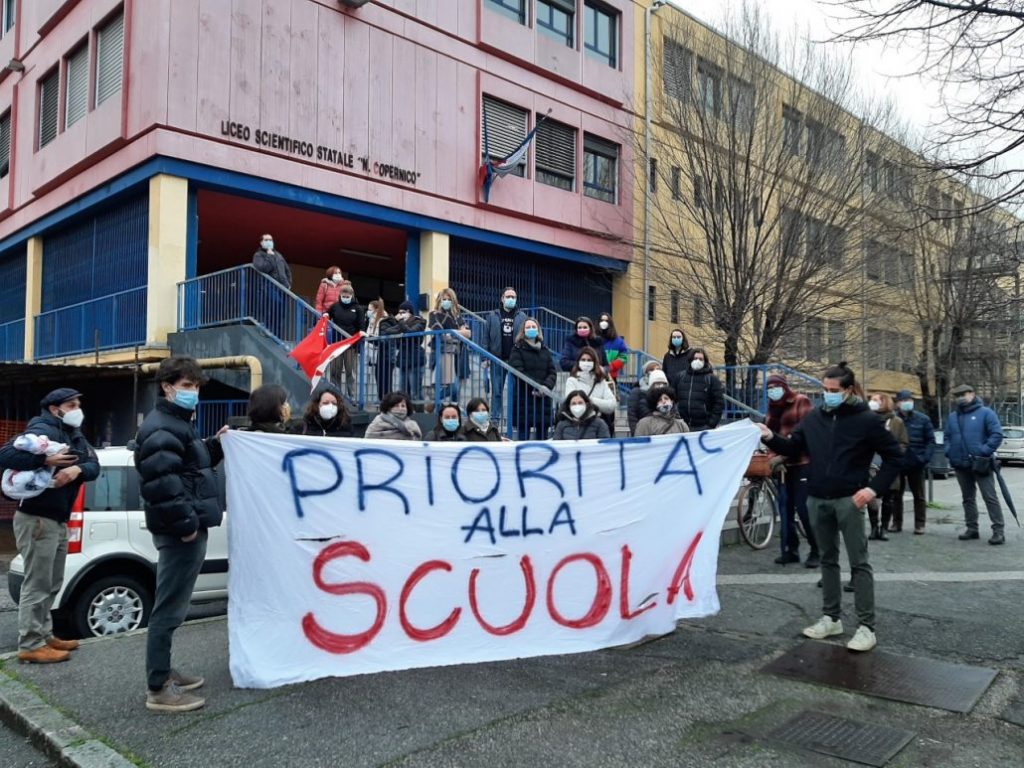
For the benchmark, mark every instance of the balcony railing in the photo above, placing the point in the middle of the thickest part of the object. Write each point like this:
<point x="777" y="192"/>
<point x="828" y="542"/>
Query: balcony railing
<point x="12" y="340"/>
<point x="109" y="322"/>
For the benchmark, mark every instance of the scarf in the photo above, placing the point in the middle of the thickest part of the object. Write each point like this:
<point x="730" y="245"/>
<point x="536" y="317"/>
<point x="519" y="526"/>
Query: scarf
<point x="397" y="423"/>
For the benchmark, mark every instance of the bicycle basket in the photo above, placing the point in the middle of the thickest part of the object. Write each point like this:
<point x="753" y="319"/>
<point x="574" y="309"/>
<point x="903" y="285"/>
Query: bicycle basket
<point x="759" y="466"/>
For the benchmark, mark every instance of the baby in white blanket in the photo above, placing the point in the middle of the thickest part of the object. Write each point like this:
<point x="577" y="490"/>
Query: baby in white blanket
<point x="27" y="484"/>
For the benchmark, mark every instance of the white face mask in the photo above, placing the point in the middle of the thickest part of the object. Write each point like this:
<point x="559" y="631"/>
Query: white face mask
<point x="577" y="410"/>
<point x="586" y="365"/>
<point x="336" y="278"/>
<point x="603" y="325"/>
<point x="328" y="411"/>
<point x="874" y="405"/>
<point x="697" y="364"/>
<point x="73" y="418"/>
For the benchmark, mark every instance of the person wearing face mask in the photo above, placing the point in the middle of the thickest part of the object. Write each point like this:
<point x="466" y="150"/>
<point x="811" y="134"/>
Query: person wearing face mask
<point x="973" y="433"/>
<point x="918" y="456"/>
<point x="616" y="353"/>
<point x="701" y="397"/>
<point x="449" y="426"/>
<point x="350" y="317"/>
<point x="40" y="523"/>
<point x="840" y="438"/>
<point x="588" y="375"/>
<point x="578" y="419"/>
<point x="586" y="336"/>
<point x="410" y="358"/>
<point x="271" y="262"/>
<point x="636" y="403"/>
<point x="534" y="361"/>
<point x="394" y="422"/>
<point x="478" y="427"/>
<point x="881" y="404"/>
<point x="786" y="409"/>
<point x="380" y="355"/>
<point x="663" y="419"/>
<point x="178" y="485"/>
<point x="446" y="351"/>
<point x="500" y="334"/>
<point x="330" y="289"/>
<point x="269" y="410"/>
<point x="677" y="358"/>
<point x="325" y="414"/>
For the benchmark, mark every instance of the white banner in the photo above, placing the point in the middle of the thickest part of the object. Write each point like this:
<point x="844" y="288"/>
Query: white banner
<point x="354" y="556"/>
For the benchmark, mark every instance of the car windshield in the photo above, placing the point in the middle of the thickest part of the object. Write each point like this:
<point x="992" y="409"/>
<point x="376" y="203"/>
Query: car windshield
<point x="109" y="491"/>
<point x="1013" y="434"/>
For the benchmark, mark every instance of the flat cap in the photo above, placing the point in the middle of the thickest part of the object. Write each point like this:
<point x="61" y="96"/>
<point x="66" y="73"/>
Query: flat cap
<point x="58" y="396"/>
<point x="904" y="394"/>
<point x="962" y="389"/>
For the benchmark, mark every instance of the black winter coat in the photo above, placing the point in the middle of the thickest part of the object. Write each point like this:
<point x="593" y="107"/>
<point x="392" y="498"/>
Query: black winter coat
<point x="442" y="435"/>
<point x="590" y="427"/>
<point x="701" y="398"/>
<point x="471" y="434"/>
<point x="675" y="363"/>
<point x="574" y="344"/>
<point x="178" y="482"/>
<point x="636" y="407"/>
<point x="841" y="443"/>
<point x="272" y="264"/>
<point x="351" y="318"/>
<point x="410" y="354"/>
<point x="53" y="503"/>
<point x="317" y="427"/>
<point x="537" y="364"/>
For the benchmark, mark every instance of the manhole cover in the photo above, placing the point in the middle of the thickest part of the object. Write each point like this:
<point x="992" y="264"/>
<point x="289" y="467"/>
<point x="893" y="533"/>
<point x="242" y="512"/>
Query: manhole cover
<point x="846" y="739"/>
<point x="1014" y="712"/>
<point x="928" y="682"/>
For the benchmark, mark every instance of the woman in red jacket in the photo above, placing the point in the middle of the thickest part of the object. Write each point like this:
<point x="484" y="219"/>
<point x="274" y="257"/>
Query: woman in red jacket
<point x="786" y="409"/>
<point x="330" y="289"/>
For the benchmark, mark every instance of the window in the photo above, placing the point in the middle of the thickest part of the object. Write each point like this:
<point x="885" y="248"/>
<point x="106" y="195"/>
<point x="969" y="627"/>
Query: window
<point x="834" y="246"/>
<point x="908" y="355"/>
<point x="945" y="209"/>
<point x="836" y="340"/>
<point x="873" y="260"/>
<point x="698" y="192"/>
<point x="676" y="70"/>
<point x="700" y="313"/>
<point x="77" y="91"/>
<point x="872" y="167"/>
<point x="652" y="175"/>
<point x="908" y="269"/>
<point x="556" y="154"/>
<point x="505" y="126"/>
<point x="109" y="492"/>
<point x="49" y="88"/>
<point x="674" y="307"/>
<point x="514" y="9"/>
<point x="825" y="148"/>
<point x="600" y="169"/>
<point x="651" y="302"/>
<point x="709" y="88"/>
<point x="677" y="173"/>
<point x="791" y="130"/>
<point x="5" y="144"/>
<point x="814" y="335"/>
<point x="558" y="19"/>
<point x="876" y="348"/>
<point x="791" y="232"/>
<point x="792" y="346"/>
<point x="9" y="7"/>
<point x="600" y="32"/>
<point x="109" y="55"/>
<point x="741" y="102"/>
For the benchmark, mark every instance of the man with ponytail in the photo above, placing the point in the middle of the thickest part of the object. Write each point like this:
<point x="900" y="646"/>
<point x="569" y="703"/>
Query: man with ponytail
<point x="840" y="437"/>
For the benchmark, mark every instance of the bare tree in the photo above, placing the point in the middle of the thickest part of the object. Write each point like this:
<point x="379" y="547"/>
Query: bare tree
<point x="760" y="148"/>
<point x="973" y="48"/>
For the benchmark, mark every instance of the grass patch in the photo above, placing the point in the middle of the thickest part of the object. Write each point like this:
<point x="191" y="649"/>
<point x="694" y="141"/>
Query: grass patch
<point x="938" y="505"/>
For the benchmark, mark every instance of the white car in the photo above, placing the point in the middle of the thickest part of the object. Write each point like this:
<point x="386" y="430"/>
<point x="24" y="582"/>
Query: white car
<point x="110" y="575"/>
<point x="1012" y="447"/>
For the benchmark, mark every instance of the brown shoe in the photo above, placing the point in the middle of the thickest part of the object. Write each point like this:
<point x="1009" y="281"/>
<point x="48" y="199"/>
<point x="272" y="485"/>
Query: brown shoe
<point x="44" y="654"/>
<point x="185" y="682"/>
<point x="919" y="530"/>
<point x="62" y="645"/>
<point x="171" y="698"/>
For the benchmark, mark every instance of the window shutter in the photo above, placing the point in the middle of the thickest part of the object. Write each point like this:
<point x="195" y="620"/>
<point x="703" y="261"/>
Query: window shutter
<point x="5" y="144"/>
<point x="556" y="148"/>
<point x="78" y="86"/>
<point x="109" y="59"/>
<point x="506" y="127"/>
<point x="48" y="101"/>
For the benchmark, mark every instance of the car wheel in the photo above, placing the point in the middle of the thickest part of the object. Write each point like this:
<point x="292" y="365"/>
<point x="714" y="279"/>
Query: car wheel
<point x="112" y="605"/>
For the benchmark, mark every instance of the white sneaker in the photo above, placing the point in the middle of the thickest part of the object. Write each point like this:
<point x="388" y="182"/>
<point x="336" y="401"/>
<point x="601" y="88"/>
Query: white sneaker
<point x="826" y="626"/>
<point x="863" y="640"/>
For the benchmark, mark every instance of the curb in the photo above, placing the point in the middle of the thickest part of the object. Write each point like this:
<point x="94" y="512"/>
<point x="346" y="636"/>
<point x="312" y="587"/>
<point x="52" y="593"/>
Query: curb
<point x="50" y="730"/>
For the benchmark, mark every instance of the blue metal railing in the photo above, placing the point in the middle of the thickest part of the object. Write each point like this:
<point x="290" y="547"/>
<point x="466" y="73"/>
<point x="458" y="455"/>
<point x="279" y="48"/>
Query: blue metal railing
<point x="243" y="294"/>
<point x="12" y="340"/>
<point x="211" y="415"/>
<point x="116" y="320"/>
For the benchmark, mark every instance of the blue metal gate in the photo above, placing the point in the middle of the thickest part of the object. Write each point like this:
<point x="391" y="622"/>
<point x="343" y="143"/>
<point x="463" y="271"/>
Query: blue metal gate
<point x="12" y="304"/>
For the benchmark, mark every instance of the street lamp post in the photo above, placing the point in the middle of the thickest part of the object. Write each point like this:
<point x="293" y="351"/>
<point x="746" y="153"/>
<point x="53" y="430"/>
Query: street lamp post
<point x="648" y="12"/>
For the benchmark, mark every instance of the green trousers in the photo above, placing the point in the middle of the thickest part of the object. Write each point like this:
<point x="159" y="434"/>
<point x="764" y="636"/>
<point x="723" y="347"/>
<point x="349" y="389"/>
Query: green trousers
<point x="829" y="519"/>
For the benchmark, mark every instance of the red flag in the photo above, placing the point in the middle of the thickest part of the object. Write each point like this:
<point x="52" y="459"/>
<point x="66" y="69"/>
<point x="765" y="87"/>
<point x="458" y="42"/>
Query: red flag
<point x="329" y="353"/>
<point x="307" y="352"/>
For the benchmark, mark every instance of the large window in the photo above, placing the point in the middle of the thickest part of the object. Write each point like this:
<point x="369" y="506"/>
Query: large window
<point x="9" y="7"/>
<point x="556" y="154"/>
<point x="76" y="101"/>
<point x="676" y="70"/>
<point x="709" y="88"/>
<point x="558" y="19"/>
<point x="601" y="32"/>
<point x="826" y="148"/>
<point x="652" y="302"/>
<point x="674" y="307"/>
<point x="109" y="58"/>
<point x="872" y="171"/>
<point x="677" y="175"/>
<point x="506" y="128"/>
<point x="49" y="90"/>
<point x="514" y="9"/>
<point x="792" y="123"/>
<point x="741" y="102"/>
<point x="5" y="143"/>
<point x="600" y="169"/>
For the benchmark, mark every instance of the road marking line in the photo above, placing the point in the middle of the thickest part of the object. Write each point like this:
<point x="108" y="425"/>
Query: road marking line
<point x="925" y="576"/>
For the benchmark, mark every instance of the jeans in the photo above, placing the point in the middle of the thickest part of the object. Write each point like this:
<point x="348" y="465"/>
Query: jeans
<point x="497" y="377"/>
<point x="43" y="545"/>
<point x="969" y="483"/>
<point x="793" y="503"/>
<point x="349" y="361"/>
<point x="410" y="381"/>
<point x="914" y="480"/>
<point x="382" y="373"/>
<point x="176" y="574"/>
<point x="829" y="519"/>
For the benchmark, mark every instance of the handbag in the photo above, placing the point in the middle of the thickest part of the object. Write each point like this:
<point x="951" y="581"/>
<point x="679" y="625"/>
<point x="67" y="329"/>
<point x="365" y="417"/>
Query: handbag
<point x="981" y="465"/>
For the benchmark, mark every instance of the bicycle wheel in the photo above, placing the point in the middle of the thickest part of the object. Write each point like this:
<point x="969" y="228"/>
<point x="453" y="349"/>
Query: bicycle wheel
<point x="755" y="514"/>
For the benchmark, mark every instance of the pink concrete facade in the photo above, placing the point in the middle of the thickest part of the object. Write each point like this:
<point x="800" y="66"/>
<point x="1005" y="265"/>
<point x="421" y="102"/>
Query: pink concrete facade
<point x="397" y="83"/>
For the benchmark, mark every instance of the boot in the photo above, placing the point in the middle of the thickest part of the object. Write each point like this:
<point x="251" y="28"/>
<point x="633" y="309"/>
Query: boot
<point x="62" y="645"/>
<point x="44" y="654"/>
<point x="813" y="559"/>
<point x="880" y="534"/>
<point x="787" y="557"/>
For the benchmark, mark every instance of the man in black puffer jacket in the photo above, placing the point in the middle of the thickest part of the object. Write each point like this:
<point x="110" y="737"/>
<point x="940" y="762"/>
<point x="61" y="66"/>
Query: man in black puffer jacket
<point x="41" y="523"/>
<point x="179" y="488"/>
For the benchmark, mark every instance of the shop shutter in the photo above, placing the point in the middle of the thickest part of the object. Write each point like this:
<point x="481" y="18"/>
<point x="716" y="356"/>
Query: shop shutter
<point x="506" y="127"/>
<point x="48" y="100"/>
<point x="5" y="144"/>
<point x="78" y="86"/>
<point x="109" y="59"/>
<point x="556" y="149"/>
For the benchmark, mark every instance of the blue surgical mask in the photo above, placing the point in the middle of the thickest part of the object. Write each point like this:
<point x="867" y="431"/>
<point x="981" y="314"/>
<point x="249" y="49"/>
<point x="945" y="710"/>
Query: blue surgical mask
<point x="186" y="398"/>
<point x="677" y="341"/>
<point x="531" y="333"/>
<point x="834" y="399"/>
<point x="450" y="425"/>
<point x="510" y="304"/>
<point x="345" y="299"/>
<point x="480" y="417"/>
<point x="775" y="393"/>
<point x="446" y="304"/>
<point x="907" y="406"/>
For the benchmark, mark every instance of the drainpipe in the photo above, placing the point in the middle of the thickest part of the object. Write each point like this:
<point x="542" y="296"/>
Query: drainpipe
<point x="240" y="361"/>
<point x="648" y="11"/>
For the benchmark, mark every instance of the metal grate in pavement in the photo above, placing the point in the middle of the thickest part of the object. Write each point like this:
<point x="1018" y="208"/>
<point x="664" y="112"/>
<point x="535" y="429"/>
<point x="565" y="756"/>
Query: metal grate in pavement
<point x="928" y="682"/>
<point x="861" y="743"/>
